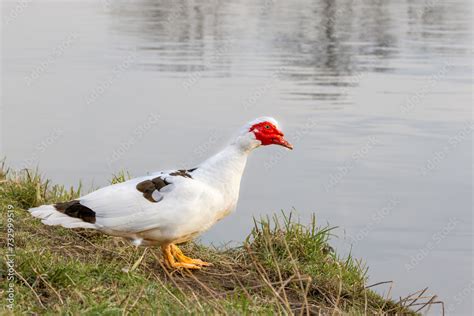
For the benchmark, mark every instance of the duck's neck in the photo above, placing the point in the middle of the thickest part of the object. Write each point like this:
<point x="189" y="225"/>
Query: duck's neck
<point x="225" y="169"/>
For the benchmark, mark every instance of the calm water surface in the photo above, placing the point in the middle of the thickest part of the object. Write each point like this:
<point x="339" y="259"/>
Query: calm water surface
<point x="375" y="95"/>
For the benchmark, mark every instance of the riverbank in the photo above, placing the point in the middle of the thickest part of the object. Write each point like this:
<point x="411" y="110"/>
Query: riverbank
<point x="283" y="267"/>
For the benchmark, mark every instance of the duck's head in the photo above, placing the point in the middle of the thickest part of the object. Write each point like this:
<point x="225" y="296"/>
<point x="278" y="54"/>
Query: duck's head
<point x="263" y="131"/>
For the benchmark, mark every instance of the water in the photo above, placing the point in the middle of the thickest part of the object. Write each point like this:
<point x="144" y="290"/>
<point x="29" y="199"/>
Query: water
<point x="375" y="95"/>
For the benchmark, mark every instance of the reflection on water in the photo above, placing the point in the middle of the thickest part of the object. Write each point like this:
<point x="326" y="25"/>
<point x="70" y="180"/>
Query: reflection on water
<point x="316" y="37"/>
<point x="376" y="96"/>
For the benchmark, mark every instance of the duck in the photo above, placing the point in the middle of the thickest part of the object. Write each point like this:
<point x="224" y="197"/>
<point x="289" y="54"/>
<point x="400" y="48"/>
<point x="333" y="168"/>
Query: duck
<point x="167" y="208"/>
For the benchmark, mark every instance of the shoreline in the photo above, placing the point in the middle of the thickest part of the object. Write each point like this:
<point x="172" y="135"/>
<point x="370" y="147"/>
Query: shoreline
<point x="282" y="267"/>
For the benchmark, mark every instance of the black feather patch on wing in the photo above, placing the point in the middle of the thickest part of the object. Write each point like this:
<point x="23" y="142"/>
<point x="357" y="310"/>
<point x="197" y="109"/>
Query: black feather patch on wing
<point x="183" y="173"/>
<point x="147" y="187"/>
<point x="76" y="209"/>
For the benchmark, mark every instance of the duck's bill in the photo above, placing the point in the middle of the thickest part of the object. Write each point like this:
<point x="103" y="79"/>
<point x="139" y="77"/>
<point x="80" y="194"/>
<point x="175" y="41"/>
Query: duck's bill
<point x="283" y="142"/>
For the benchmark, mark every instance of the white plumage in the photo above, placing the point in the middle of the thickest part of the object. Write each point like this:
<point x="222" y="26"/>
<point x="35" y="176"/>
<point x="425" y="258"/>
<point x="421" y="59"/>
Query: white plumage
<point x="168" y="207"/>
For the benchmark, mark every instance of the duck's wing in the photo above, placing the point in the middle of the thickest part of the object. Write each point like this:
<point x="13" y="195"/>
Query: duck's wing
<point x="142" y="203"/>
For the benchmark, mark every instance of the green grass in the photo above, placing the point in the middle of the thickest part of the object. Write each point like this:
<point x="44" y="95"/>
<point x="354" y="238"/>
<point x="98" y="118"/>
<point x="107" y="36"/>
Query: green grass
<point x="283" y="267"/>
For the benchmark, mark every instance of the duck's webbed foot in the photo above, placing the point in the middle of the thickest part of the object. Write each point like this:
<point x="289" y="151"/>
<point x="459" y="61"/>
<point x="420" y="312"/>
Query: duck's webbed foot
<point x="180" y="257"/>
<point x="175" y="258"/>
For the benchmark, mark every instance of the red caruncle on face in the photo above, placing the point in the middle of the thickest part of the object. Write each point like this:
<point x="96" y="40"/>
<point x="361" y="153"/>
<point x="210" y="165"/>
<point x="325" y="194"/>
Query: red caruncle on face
<point x="268" y="134"/>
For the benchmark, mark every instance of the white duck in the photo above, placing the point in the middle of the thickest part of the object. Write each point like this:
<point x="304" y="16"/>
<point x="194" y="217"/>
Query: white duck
<point x="169" y="207"/>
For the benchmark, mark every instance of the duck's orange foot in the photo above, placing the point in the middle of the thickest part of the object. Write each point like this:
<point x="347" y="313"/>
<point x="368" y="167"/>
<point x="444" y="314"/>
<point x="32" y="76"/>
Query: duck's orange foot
<point x="180" y="257"/>
<point x="174" y="258"/>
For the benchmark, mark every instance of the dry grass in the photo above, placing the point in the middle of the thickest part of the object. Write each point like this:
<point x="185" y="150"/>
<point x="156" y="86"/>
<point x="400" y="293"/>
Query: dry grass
<point x="282" y="268"/>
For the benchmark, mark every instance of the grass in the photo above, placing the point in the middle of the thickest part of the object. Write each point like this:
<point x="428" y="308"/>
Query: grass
<point x="283" y="267"/>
